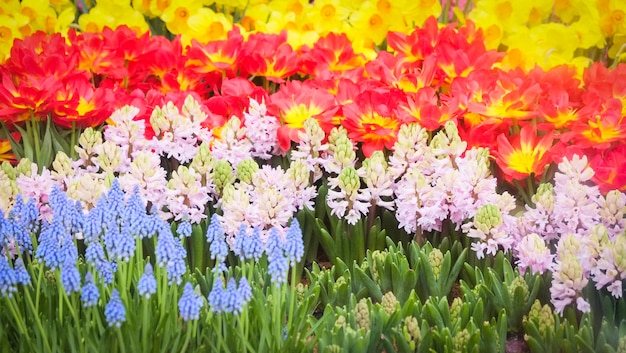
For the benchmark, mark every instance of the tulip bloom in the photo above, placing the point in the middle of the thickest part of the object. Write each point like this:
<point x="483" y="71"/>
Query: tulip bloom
<point x="526" y="154"/>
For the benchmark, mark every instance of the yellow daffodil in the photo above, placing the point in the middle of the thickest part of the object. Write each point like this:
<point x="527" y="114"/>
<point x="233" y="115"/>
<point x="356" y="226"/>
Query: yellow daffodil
<point x="207" y="25"/>
<point x="368" y="23"/>
<point x="8" y="33"/>
<point x="416" y="12"/>
<point x="177" y="14"/>
<point x="112" y="15"/>
<point x="328" y="16"/>
<point x="9" y="7"/>
<point x="547" y="45"/>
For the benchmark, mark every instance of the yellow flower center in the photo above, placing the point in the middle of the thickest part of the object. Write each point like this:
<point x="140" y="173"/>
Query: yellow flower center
<point x="296" y="116"/>
<point x="617" y="17"/>
<point x="181" y="13"/>
<point x="328" y="11"/>
<point x="29" y="12"/>
<point x="5" y="34"/>
<point x="84" y="106"/>
<point x="523" y="160"/>
<point x="216" y="30"/>
<point x="376" y="21"/>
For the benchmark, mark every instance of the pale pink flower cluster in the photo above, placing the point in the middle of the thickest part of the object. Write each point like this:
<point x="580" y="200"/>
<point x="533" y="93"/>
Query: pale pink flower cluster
<point x="610" y="267"/>
<point x="233" y="145"/>
<point x="440" y="180"/>
<point x="37" y="186"/>
<point x="268" y="201"/>
<point x="533" y="254"/>
<point x="569" y="276"/>
<point x="261" y="130"/>
<point x="310" y="150"/>
<point x="185" y="196"/>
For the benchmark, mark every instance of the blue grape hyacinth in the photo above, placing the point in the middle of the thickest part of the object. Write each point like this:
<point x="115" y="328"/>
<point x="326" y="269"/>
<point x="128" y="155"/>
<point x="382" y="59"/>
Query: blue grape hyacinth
<point x="190" y="304"/>
<point x="114" y="312"/>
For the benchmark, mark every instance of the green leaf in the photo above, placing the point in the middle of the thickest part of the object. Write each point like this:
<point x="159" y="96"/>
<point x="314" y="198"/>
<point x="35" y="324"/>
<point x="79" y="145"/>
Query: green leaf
<point x="371" y="286"/>
<point x="27" y="142"/>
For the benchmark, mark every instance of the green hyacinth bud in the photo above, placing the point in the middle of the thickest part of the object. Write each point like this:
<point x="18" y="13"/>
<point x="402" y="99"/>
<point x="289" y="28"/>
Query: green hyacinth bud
<point x="436" y="259"/>
<point x="542" y="316"/>
<point x="246" y="170"/>
<point x="8" y="169"/>
<point x="110" y="157"/>
<point x="342" y="149"/>
<point x="222" y="175"/>
<point x="455" y="308"/>
<point x="389" y="303"/>
<point x="487" y="217"/>
<point x="333" y="348"/>
<point x="24" y="167"/>
<point x="89" y="139"/>
<point x="544" y="196"/>
<point x="362" y="314"/>
<point x="340" y="322"/>
<point x="460" y="340"/>
<point x="618" y="249"/>
<point x="614" y="203"/>
<point x="411" y="331"/>
<point x="519" y="282"/>
<point x="313" y="129"/>
<point x="159" y="121"/>
<point x="349" y="180"/>
<point x="377" y="255"/>
<point x="203" y="161"/>
<point x="62" y="164"/>
<point x="299" y="173"/>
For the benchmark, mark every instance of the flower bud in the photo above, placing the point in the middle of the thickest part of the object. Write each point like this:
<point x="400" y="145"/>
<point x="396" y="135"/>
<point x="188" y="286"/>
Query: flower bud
<point x="436" y="259"/>
<point x="518" y="282"/>
<point x="8" y="169"/>
<point x="222" y="175"/>
<point x="487" y="217"/>
<point x="389" y="303"/>
<point x="460" y="340"/>
<point x="411" y="331"/>
<point x="203" y="162"/>
<point x="455" y="308"/>
<point x="362" y="314"/>
<point x="349" y="180"/>
<point x="89" y="139"/>
<point x="24" y="167"/>
<point x="544" y="196"/>
<point x="246" y="170"/>
<point x="314" y="131"/>
<point x="62" y="165"/>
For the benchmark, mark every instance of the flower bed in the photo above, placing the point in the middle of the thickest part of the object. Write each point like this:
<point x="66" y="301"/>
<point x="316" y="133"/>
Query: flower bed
<point x="414" y="191"/>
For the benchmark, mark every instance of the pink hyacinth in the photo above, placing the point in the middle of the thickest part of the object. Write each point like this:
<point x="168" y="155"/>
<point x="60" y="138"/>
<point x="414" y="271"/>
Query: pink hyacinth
<point x="261" y="130"/>
<point x="532" y="253"/>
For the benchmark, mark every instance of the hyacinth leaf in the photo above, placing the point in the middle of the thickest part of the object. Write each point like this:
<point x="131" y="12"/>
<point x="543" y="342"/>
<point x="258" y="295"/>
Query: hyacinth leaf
<point x="27" y="142"/>
<point x="434" y="316"/>
<point x="16" y="147"/>
<point x="479" y="311"/>
<point x="46" y="147"/>
<point x="327" y="242"/>
<point x="451" y="275"/>
<point x="372" y="287"/>
<point x="59" y="142"/>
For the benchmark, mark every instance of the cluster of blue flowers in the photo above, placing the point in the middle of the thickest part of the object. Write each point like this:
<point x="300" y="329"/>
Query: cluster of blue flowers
<point x="231" y="299"/>
<point x="110" y="231"/>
